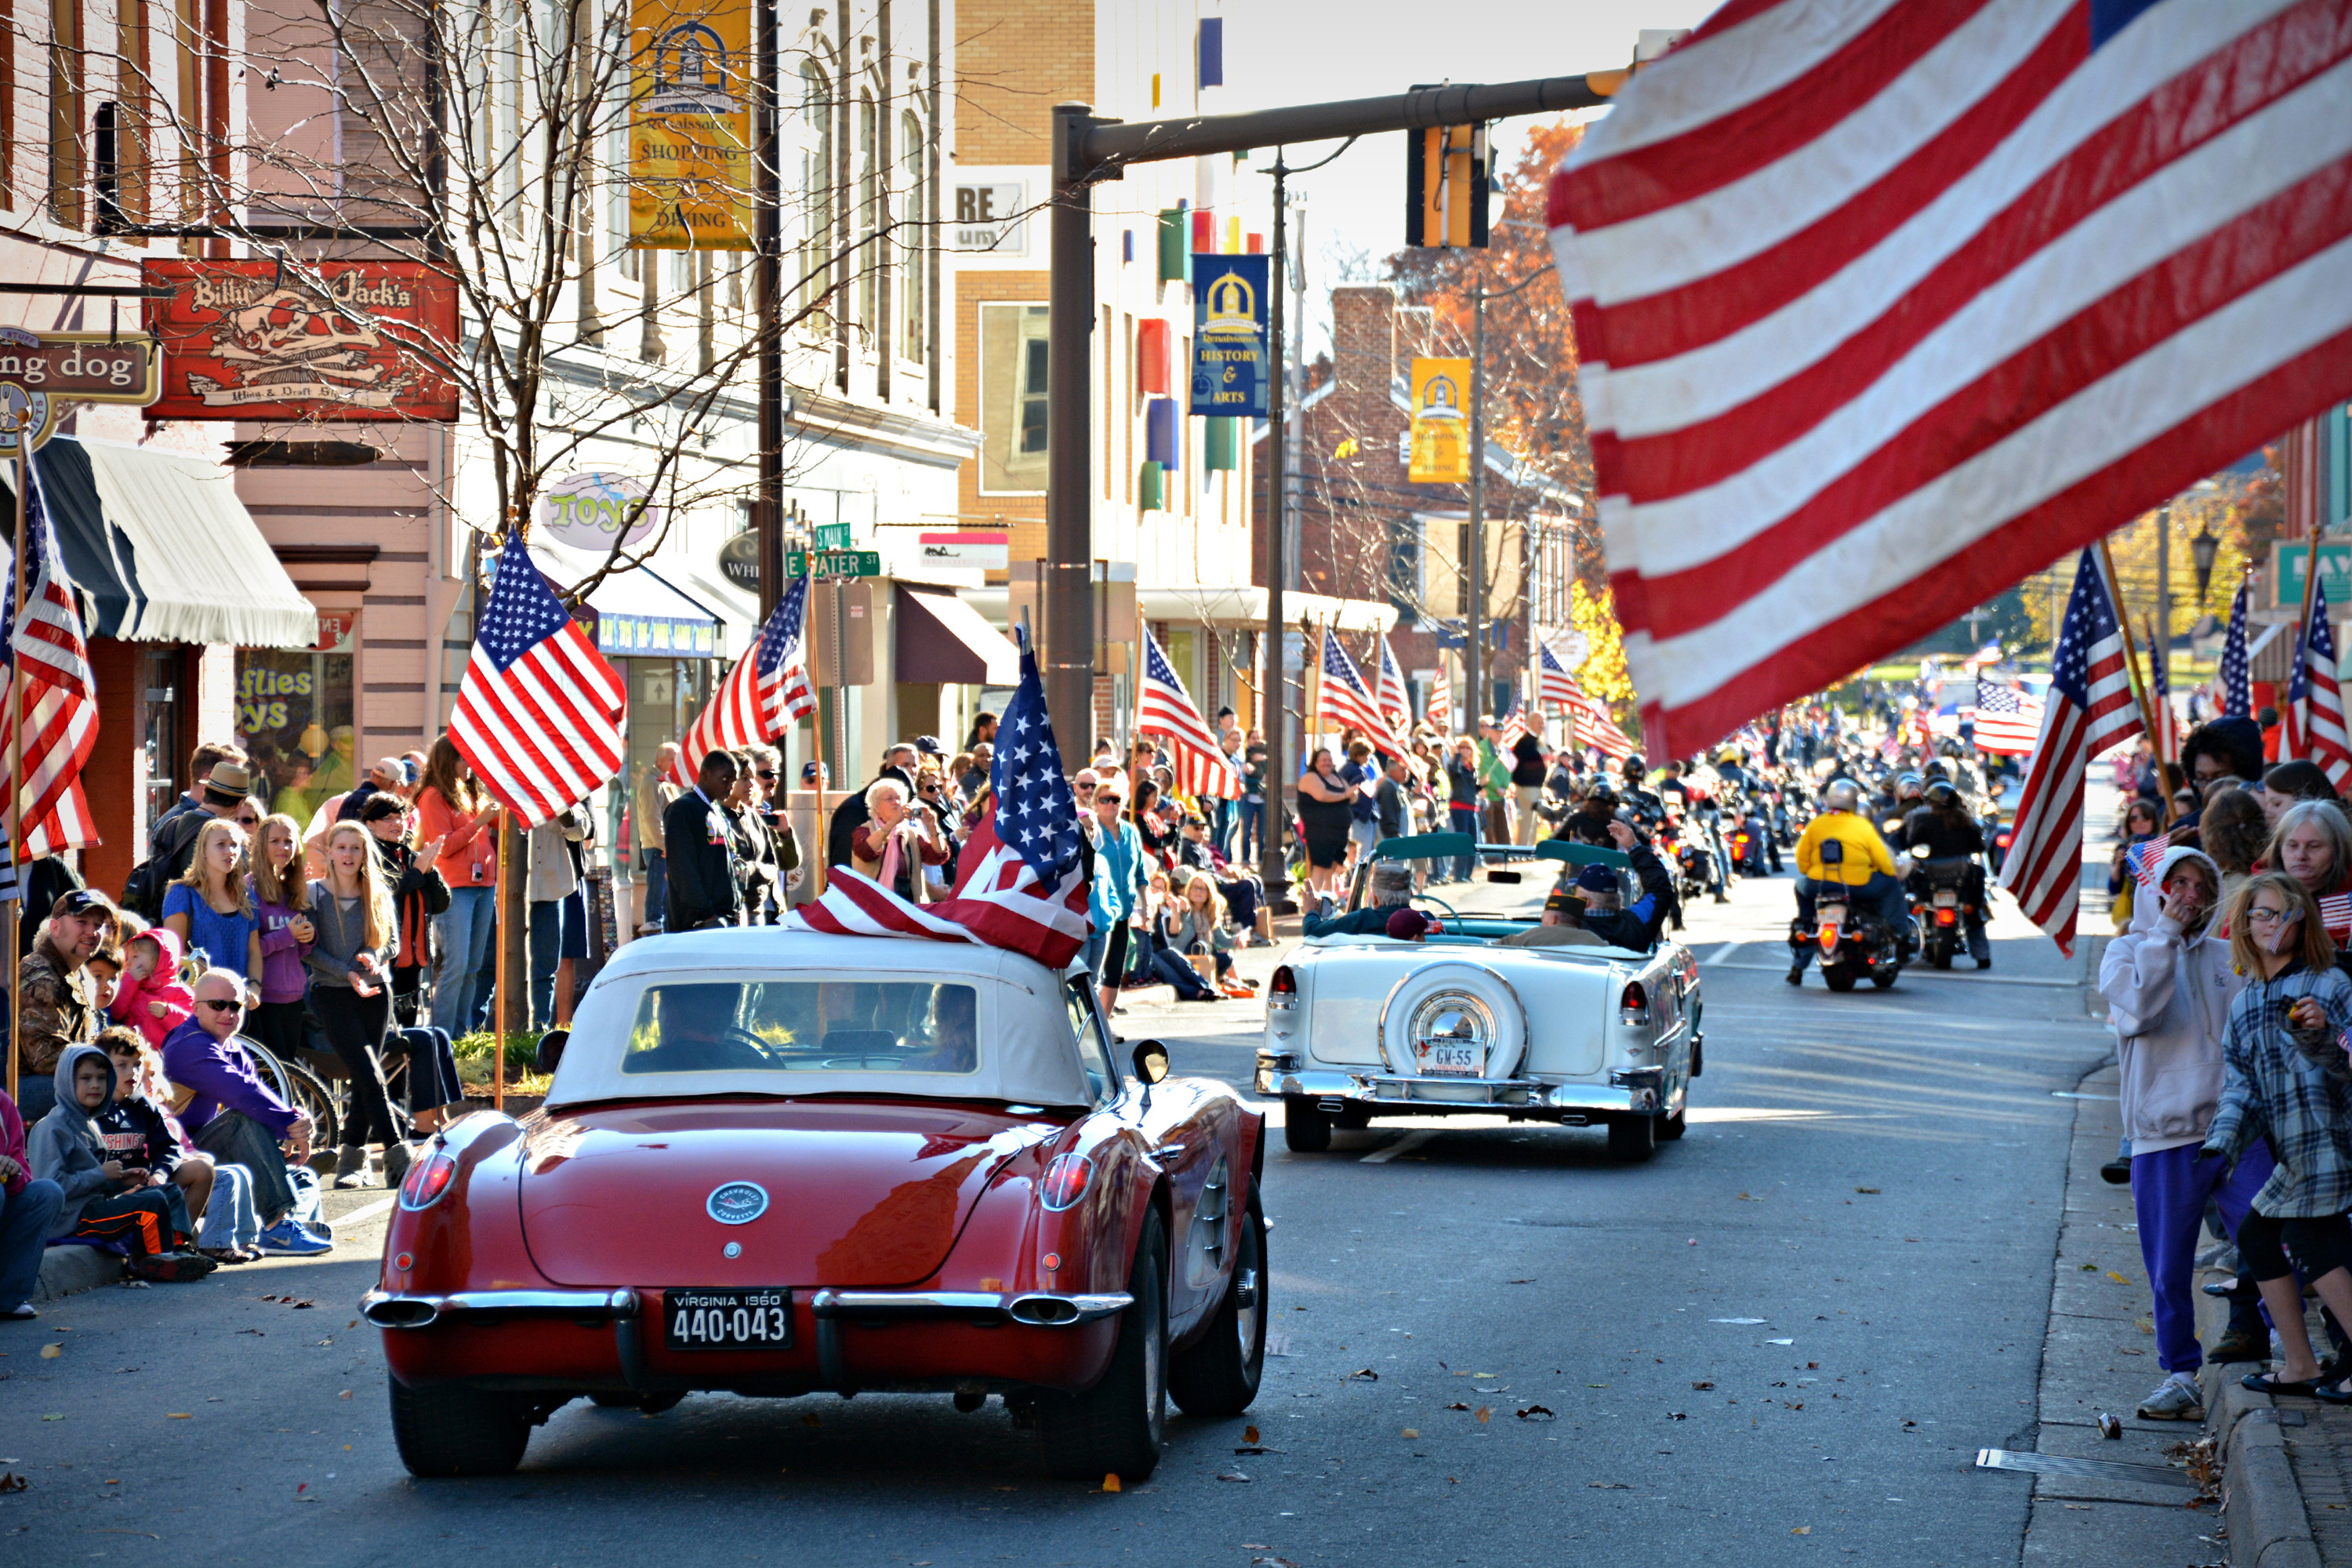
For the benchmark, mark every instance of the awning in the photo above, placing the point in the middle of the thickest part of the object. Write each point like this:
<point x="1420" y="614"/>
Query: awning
<point x="942" y="638"/>
<point x="639" y="614"/>
<point x="162" y="550"/>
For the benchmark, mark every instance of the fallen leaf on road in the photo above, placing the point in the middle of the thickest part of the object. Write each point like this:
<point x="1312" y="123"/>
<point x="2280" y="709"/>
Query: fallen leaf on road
<point x="1272" y="1562"/>
<point x="52" y="1417"/>
<point x="1780" y="1341"/>
<point x="1227" y="1475"/>
<point x="10" y="1481"/>
<point x="1676" y="1416"/>
<point x="1518" y="1281"/>
<point x="344" y="1394"/>
<point x="1457" y="1404"/>
<point x="2090" y="1268"/>
<point x="811" y="1420"/>
<point x="352" y="1324"/>
<point x="1740" y="1321"/>
<point x="1249" y="1434"/>
<point x="168" y="1415"/>
<point x="1110" y="1480"/>
<point x="1536" y="1413"/>
<point x="1410" y="1432"/>
<point x="1702" y="1387"/>
<point x="1367" y="1373"/>
<point x="1609" y="1486"/>
<point x="1486" y="1413"/>
<point x="1871" y="1191"/>
<point x="1596" y="1385"/>
<point x="1252" y="1448"/>
<point x="52" y="1353"/>
<point x="2117" y="1278"/>
<point x="1803" y="1529"/>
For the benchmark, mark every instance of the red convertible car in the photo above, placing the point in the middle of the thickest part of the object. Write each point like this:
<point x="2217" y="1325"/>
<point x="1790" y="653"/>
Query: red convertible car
<point x="780" y="1163"/>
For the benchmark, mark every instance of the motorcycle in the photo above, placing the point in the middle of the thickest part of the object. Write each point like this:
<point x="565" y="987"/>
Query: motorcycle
<point x="1943" y="905"/>
<point x="1854" y="942"/>
<point x="1687" y="850"/>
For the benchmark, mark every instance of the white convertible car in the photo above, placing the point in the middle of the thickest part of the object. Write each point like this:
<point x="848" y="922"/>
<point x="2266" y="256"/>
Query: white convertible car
<point x="1362" y="1026"/>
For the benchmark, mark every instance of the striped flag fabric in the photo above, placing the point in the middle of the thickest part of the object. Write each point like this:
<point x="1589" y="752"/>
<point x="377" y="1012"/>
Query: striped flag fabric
<point x="1021" y="883"/>
<point x="1347" y="702"/>
<point x="1555" y="687"/>
<point x="539" y="713"/>
<point x="2237" y="671"/>
<point x="2159" y="694"/>
<point x="59" y="695"/>
<point x="2335" y="913"/>
<point x="1441" y="702"/>
<point x="2315" y="699"/>
<point x="2089" y="709"/>
<point x="2008" y="720"/>
<point x="1162" y="706"/>
<point x="1515" y="726"/>
<point x="1394" y="699"/>
<point x="1879" y="303"/>
<point x="765" y="694"/>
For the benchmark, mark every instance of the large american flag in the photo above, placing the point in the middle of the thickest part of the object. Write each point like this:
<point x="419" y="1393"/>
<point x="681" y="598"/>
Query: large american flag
<point x="1347" y="702"/>
<point x="1162" y="706"/>
<point x="2089" y="709"/>
<point x="59" y="695"/>
<point x="1394" y="699"/>
<point x="1555" y="687"/>
<point x="1881" y="302"/>
<point x="766" y="693"/>
<point x="2315" y="699"/>
<point x="539" y="713"/>
<point x="2237" y="670"/>
<point x="2008" y="720"/>
<point x="1020" y="881"/>
<point x="1590" y="724"/>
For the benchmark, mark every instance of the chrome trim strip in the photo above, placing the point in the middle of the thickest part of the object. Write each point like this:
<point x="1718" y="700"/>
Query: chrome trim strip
<point x="1031" y="1308"/>
<point x="389" y="1309"/>
<point x="853" y="1303"/>
<point x="1366" y="1087"/>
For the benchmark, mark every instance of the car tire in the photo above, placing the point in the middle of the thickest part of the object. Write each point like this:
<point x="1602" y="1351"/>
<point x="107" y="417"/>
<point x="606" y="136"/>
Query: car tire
<point x="1672" y="1128"/>
<point x="1116" y="1427"/>
<point x="443" y="1431"/>
<point x="1305" y="1127"/>
<point x="1632" y="1139"/>
<point x="1219" y="1375"/>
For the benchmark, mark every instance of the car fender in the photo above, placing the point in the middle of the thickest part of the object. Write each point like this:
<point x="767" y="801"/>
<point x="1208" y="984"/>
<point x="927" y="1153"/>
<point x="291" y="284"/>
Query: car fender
<point x="469" y="1238"/>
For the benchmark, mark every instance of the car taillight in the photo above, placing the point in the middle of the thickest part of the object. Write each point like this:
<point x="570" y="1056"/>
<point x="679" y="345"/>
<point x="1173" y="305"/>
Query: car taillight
<point x="1634" y="1006"/>
<point x="1066" y="1181"/>
<point x="1282" y="991"/>
<point x="428" y="1180"/>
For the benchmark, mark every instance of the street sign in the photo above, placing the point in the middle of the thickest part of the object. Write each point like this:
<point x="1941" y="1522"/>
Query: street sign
<point x="831" y="536"/>
<point x="834" y="562"/>
<point x="2289" y="562"/>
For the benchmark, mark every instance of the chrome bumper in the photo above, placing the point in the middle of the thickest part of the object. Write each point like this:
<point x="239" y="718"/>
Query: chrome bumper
<point x="1034" y="1308"/>
<point x="389" y="1309"/>
<point x="1626" y="1091"/>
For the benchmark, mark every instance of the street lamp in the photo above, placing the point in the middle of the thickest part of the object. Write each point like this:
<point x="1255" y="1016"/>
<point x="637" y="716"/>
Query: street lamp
<point x="2202" y="550"/>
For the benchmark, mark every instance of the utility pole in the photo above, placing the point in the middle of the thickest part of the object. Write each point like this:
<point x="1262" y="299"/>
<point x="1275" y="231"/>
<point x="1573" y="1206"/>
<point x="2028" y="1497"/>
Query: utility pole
<point x="768" y="287"/>
<point x="1474" y="644"/>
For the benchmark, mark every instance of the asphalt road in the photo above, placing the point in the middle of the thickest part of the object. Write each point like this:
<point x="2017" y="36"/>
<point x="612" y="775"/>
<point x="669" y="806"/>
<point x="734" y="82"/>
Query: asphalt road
<point x="1781" y="1341"/>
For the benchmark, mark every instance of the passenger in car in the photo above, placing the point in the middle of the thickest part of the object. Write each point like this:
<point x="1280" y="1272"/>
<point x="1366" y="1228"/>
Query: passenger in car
<point x="1392" y="889"/>
<point x="1563" y="925"/>
<point x="1633" y="928"/>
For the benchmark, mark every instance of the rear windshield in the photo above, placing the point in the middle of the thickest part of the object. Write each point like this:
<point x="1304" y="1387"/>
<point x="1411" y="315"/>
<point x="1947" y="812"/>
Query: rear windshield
<point x="805" y="1026"/>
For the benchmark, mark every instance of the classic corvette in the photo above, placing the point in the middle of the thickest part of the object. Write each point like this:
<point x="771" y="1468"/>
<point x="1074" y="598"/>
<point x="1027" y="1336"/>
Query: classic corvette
<point x="1364" y="1026"/>
<point x="780" y="1163"/>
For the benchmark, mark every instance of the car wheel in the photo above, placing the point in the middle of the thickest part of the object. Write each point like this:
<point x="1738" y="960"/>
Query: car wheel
<point x="1306" y="1129"/>
<point x="448" y="1431"/>
<point x="1116" y="1427"/>
<point x="1219" y="1375"/>
<point x="1632" y="1138"/>
<point x="1673" y="1127"/>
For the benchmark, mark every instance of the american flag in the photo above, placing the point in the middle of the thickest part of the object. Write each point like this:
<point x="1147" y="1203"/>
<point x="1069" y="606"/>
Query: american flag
<point x="2160" y="693"/>
<point x="1162" y="706"/>
<point x="2090" y="709"/>
<point x="1020" y="881"/>
<point x="2008" y="720"/>
<point x="1441" y="702"/>
<point x="1555" y="687"/>
<point x="2314" y="701"/>
<point x="1394" y="699"/>
<point x="2237" y="671"/>
<point x="1515" y="725"/>
<point x="59" y="696"/>
<point x="2144" y="858"/>
<point x="1879" y="304"/>
<point x="539" y="713"/>
<point x="2335" y="913"/>
<point x="766" y="693"/>
<point x="1347" y="702"/>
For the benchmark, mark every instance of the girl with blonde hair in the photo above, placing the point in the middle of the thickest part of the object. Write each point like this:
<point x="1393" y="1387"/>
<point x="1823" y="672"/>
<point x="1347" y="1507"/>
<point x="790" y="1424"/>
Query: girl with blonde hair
<point x="351" y="991"/>
<point x="282" y="900"/>
<point x="210" y="909"/>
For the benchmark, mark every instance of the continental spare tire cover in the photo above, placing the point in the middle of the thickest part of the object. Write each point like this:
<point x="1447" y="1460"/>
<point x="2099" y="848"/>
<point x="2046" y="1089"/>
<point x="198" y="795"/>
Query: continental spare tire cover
<point x="1452" y="1019"/>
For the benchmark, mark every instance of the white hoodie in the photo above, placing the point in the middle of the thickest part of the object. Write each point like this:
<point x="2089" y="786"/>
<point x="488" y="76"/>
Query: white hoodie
<point x="2169" y="995"/>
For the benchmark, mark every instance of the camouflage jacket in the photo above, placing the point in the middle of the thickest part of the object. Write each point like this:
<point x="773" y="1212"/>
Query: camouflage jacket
<point x="57" y="1011"/>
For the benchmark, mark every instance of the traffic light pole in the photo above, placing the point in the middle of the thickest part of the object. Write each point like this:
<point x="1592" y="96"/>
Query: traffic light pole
<point x="1087" y="149"/>
<point x="1473" y="644"/>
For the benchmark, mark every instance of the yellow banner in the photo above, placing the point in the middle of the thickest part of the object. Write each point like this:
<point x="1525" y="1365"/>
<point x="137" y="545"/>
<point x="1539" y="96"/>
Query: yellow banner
<point x="1440" y="422"/>
<point x="690" y="154"/>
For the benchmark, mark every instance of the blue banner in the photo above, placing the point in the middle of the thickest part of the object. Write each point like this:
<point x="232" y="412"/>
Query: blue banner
<point x="1230" y="358"/>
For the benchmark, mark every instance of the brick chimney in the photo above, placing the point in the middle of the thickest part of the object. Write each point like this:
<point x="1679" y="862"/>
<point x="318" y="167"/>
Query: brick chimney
<point x="1416" y="327"/>
<point x="1363" y="337"/>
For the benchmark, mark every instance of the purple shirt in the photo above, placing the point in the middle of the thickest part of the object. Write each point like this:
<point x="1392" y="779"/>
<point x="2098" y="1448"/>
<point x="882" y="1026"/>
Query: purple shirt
<point x="283" y="976"/>
<point x="224" y="1078"/>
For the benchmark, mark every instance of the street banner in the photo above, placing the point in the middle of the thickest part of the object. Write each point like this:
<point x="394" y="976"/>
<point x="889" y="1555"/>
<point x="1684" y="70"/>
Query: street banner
<point x="691" y="163"/>
<point x="1229" y="334"/>
<point x="343" y="341"/>
<point x="1441" y="427"/>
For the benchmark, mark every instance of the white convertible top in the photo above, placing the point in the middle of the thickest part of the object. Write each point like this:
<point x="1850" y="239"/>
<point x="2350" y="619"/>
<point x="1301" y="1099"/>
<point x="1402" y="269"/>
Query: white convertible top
<point x="1027" y="1052"/>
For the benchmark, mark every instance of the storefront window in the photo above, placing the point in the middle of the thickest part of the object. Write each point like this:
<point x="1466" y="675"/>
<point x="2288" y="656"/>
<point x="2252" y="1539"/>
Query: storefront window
<point x="1012" y="399"/>
<point x="665" y="696"/>
<point x="294" y="717"/>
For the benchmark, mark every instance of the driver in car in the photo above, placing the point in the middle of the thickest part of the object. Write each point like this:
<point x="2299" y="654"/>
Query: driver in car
<point x="692" y="1029"/>
<point x="955" y="1032"/>
<point x="1392" y="891"/>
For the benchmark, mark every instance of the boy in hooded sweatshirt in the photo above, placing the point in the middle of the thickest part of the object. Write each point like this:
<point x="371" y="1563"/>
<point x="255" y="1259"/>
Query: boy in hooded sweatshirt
<point x="106" y="1200"/>
<point x="151" y="996"/>
<point x="2169" y="984"/>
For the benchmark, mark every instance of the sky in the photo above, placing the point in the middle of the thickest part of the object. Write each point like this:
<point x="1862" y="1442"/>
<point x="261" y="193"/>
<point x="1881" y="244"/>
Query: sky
<point x="1312" y="51"/>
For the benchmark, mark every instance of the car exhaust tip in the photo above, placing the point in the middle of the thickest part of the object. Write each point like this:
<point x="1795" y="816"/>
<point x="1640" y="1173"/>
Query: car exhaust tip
<point x="400" y="1312"/>
<point x="1042" y="1312"/>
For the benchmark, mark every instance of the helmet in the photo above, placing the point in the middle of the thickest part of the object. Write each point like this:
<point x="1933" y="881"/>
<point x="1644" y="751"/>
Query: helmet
<point x="1841" y="795"/>
<point x="1728" y="758"/>
<point x="1942" y="793"/>
<point x="1634" y="766"/>
<point x="1907" y="785"/>
<point x="1935" y="771"/>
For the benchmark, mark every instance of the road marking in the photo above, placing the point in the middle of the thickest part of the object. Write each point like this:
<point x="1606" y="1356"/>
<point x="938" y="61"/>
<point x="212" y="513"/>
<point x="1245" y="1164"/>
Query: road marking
<point x="1726" y="950"/>
<point x="1404" y="1146"/>
<point x="1974" y="977"/>
<point x="360" y="1217"/>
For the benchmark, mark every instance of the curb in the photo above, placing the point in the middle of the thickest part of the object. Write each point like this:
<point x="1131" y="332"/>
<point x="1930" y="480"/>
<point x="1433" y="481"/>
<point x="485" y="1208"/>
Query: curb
<point x="69" y="1270"/>
<point x="2261" y="1502"/>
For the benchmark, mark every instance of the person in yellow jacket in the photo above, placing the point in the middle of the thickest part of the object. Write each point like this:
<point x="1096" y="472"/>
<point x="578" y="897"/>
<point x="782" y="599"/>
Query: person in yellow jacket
<point x="1842" y="850"/>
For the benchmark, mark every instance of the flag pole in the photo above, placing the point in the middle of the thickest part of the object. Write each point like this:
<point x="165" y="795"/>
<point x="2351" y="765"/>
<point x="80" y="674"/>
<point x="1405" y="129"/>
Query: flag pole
<point x="17" y="763"/>
<point x="499" y="1007"/>
<point x="2132" y="673"/>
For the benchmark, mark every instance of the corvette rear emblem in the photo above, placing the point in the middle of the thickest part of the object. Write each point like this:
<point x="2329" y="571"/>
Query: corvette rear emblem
<point x="737" y="1202"/>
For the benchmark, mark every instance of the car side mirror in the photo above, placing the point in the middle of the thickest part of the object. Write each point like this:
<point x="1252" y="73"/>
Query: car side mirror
<point x="1151" y="1059"/>
<point x="551" y="1048"/>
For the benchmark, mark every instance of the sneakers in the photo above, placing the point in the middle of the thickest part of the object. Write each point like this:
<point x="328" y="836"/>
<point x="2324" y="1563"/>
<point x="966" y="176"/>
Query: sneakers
<point x="22" y="1312"/>
<point x="171" y="1267"/>
<point x="2174" y="1399"/>
<point x="350" y="1168"/>
<point x="289" y="1239"/>
<point x="2116" y="1173"/>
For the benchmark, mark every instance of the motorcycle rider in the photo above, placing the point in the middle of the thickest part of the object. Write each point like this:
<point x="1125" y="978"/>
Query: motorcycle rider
<point x="1899" y="796"/>
<point x="1589" y="823"/>
<point x="1944" y="826"/>
<point x="1646" y="805"/>
<point x="1863" y="867"/>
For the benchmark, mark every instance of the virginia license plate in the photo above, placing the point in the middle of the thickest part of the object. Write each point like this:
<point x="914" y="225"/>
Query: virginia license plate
<point x="1445" y="1059"/>
<point x="728" y="1319"/>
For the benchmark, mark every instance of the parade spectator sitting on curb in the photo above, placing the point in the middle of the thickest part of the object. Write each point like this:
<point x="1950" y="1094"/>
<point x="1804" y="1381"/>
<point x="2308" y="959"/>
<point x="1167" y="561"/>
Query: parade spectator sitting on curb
<point x="151" y="996"/>
<point x="28" y="1210"/>
<point x="2169" y="987"/>
<point x="139" y="1132"/>
<point x="106" y="1198"/>
<point x="2283" y="1082"/>
<point x="57" y="1011"/>
<point x="234" y="1117"/>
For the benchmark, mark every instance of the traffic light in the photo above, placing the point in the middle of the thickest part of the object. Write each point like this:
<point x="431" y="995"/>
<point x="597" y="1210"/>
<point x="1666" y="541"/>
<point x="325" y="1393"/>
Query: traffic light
<point x="1445" y="186"/>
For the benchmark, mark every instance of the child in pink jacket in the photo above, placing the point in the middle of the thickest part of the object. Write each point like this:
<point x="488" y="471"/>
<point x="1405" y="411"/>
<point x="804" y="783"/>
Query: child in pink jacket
<point x="151" y="996"/>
